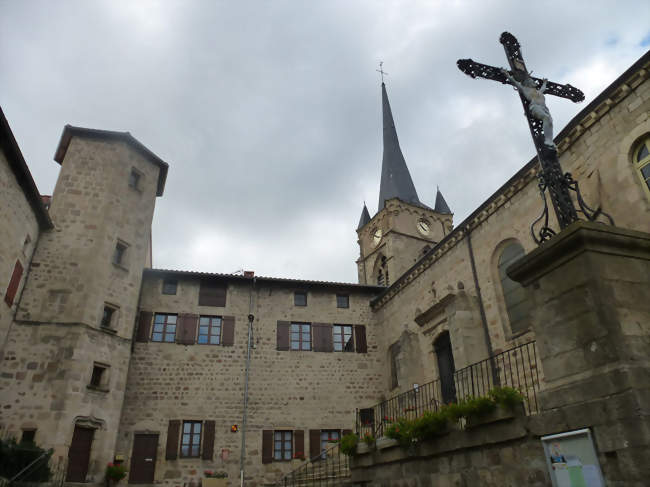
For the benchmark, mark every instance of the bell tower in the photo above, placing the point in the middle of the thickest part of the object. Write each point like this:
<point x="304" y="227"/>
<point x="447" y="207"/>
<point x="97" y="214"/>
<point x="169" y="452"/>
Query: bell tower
<point x="404" y="229"/>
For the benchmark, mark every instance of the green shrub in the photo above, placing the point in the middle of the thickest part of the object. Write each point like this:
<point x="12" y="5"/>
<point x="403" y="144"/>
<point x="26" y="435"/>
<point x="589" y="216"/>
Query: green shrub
<point x="453" y="411"/>
<point x="369" y="439"/>
<point x="429" y="425"/>
<point x="476" y="407"/>
<point x="506" y="396"/>
<point x="348" y="444"/>
<point x="402" y="430"/>
<point x="16" y="456"/>
<point x="115" y="472"/>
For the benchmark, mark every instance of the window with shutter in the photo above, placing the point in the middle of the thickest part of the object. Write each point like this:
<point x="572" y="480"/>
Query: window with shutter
<point x="209" y="330"/>
<point x="267" y="446"/>
<point x="186" y="329"/>
<point x="228" y="333"/>
<point x="301" y="336"/>
<point x="299" y="444"/>
<point x="173" y="432"/>
<point x="282" y="445"/>
<point x="212" y="293"/>
<point x="208" y="440"/>
<point x="191" y="439"/>
<point x="144" y="326"/>
<point x="164" y="328"/>
<point x="322" y="338"/>
<point x="283" y="335"/>
<point x="360" y="338"/>
<point x="14" y="282"/>
<point x="343" y="341"/>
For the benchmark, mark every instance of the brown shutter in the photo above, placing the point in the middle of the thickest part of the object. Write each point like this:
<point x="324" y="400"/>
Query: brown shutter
<point x="360" y="338"/>
<point x="322" y="337"/>
<point x="173" y="432"/>
<point x="13" y="283"/>
<point x="144" y="325"/>
<point x="212" y="293"/>
<point x="267" y="446"/>
<point x="298" y="443"/>
<point x="283" y="335"/>
<point x="187" y="329"/>
<point x="208" y="440"/>
<point x="314" y="443"/>
<point x="228" y="331"/>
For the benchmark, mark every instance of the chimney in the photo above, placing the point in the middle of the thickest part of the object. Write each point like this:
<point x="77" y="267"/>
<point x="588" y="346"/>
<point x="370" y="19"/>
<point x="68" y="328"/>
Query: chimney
<point x="249" y="274"/>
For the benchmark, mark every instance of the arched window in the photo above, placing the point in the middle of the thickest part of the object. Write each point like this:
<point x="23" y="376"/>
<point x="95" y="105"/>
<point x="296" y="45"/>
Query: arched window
<point x="381" y="271"/>
<point x="516" y="298"/>
<point x="641" y="160"/>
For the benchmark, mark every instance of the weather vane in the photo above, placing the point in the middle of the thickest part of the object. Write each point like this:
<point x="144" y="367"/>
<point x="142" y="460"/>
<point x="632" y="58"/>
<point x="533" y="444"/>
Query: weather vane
<point x="381" y="70"/>
<point x="531" y="91"/>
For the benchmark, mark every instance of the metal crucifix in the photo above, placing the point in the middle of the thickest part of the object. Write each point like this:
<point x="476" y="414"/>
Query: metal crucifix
<point x="531" y="91"/>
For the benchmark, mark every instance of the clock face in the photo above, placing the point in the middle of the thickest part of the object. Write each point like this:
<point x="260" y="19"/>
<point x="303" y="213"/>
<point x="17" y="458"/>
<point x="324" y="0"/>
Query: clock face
<point x="376" y="236"/>
<point x="423" y="227"/>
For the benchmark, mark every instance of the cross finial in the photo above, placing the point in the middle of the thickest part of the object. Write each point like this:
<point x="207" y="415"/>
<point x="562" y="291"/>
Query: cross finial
<point x="381" y="70"/>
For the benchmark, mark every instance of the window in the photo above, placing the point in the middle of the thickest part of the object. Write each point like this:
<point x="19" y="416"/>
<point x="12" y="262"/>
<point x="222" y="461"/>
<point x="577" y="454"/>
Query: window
<point x="394" y="364"/>
<point x="28" y="436"/>
<point x="98" y="378"/>
<point x="209" y="330"/>
<point x="134" y="179"/>
<point x="382" y="272"/>
<point x="342" y="301"/>
<point x="516" y="299"/>
<point x="642" y="163"/>
<point x="164" y="328"/>
<point x="108" y="316"/>
<point x="191" y="439"/>
<point x="327" y="437"/>
<point x="300" y="298"/>
<point x="119" y="256"/>
<point x="343" y="341"/>
<point x="169" y="286"/>
<point x="300" y="336"/>
<point x="282" y="445"/>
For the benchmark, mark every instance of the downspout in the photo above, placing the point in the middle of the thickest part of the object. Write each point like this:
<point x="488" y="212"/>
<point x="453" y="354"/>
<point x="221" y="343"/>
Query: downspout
<point x="481" y="308"/>
<point x="251" y="317"/>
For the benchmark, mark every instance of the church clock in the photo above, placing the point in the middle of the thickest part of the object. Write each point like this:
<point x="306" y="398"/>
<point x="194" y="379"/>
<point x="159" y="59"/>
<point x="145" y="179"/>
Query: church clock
<point x="376" y="236"/>
<point x="423" y="227"/>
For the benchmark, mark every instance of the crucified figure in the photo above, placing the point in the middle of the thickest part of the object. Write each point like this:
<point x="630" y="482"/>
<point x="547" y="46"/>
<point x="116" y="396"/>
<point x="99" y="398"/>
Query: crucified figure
<point x="536" y="103"/>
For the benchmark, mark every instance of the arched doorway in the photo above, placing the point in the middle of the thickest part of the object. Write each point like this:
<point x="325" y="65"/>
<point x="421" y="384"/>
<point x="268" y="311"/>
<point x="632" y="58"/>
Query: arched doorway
<point x="446" y="369"/>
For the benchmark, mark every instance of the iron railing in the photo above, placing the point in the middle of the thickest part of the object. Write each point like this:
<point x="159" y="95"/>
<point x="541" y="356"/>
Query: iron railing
<point x="516" y="367"/>
<point x="331" y="467"/>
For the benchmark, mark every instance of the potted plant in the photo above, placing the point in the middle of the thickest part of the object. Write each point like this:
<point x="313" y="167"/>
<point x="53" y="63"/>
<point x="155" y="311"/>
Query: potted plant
<point x="349" y="444"/>
<point x="114" y="473"/>
<point x="214" y="479"/>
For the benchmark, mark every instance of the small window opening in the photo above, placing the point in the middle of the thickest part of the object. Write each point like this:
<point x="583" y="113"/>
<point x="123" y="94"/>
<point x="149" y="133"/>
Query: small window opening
<point x="107" y="316"/>
<point x="120" y="253"/>
<point x="97" y="375"/>
<point x="342" y="301"/>
<point x="300" y="298"/>
<point x="134" y="179"/>
<point x="169" y="286"/>
<point x="28" y="436"/>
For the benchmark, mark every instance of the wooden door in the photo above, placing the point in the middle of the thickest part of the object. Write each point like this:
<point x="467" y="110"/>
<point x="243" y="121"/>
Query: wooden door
<point x="446" y="367"/>
<point x="143" y="459"/>
<point x="79" y="454"/>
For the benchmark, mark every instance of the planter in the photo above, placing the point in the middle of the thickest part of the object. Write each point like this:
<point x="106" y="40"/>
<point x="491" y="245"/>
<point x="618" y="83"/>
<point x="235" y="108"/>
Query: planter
<point x="213" y="482"/>
<point x="501" y="413"/>
<point x="384" y="442"/>
<point x="362" y="447"/>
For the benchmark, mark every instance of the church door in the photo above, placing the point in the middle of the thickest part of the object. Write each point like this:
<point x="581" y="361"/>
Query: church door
<point x="79" y="454"/>
<point x="143" y="459"/>
<point x="446" y="369"/>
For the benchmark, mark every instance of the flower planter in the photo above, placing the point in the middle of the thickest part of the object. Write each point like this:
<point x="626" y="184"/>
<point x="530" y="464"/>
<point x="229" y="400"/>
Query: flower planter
<point x="214" y="482"/>
<point x="362" y="447"/>
<point x="385" y="442"/>
<point x="501" y="413"/>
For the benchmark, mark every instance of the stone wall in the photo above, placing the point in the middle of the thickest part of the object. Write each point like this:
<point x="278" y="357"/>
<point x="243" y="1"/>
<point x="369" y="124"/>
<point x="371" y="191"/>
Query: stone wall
<point x="19" y="233"/>
<point x="288" y="390"/>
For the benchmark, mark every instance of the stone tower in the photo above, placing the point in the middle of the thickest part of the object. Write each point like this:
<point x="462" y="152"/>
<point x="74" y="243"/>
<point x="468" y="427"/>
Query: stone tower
<point x="404" y="229"/>
<point x="74" y="324"/>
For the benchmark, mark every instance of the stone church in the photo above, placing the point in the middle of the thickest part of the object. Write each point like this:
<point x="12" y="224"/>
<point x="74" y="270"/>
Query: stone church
<point x="172" y="372"/>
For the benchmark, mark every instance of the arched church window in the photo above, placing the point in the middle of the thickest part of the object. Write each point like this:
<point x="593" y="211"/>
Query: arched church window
<point x="517" y="301"/>
<point x="642" y="163"/>
<point x="382" y="272"/>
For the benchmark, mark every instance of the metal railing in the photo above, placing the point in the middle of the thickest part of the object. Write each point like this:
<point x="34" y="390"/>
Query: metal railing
<point x="516" y="367"/>
<point x="331" y="467"/>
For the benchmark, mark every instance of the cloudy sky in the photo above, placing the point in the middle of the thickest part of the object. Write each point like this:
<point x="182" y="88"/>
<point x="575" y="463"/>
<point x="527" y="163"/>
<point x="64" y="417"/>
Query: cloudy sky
<point x="269" y="112"/>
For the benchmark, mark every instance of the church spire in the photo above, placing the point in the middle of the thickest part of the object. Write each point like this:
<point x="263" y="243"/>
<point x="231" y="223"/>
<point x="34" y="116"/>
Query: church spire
<point x="396" y="180"/>
<point x="365" y="216"/>
<point x="441" y="204"/>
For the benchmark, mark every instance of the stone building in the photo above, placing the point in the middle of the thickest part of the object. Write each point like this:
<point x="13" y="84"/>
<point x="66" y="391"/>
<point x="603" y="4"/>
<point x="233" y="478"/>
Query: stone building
<point x="105" y="358"/>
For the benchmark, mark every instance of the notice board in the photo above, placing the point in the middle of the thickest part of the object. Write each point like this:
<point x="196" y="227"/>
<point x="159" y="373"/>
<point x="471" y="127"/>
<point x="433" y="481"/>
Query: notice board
<point x="571" y="459"/>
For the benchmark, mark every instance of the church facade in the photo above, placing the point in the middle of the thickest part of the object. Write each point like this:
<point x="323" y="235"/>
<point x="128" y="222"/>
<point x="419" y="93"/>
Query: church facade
<point x="105" y="358"/>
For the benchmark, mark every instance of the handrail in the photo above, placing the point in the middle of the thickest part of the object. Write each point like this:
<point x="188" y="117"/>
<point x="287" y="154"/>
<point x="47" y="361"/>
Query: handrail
<point x="326" y="468"/>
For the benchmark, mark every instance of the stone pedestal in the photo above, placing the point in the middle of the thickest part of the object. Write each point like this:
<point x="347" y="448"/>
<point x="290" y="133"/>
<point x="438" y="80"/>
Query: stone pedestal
<point x="591" y="290"/>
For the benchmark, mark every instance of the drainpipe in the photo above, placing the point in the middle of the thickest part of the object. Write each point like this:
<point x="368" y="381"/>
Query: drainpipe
<point x="251" y="317"/>
<point x="486" y="331"/>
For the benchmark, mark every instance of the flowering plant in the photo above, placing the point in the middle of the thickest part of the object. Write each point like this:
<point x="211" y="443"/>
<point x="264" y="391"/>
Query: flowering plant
<point x="369" y="439"/>
<point x="115" y="472"/>
<point x="299" y="455"/>
<point x="211" y="474"/>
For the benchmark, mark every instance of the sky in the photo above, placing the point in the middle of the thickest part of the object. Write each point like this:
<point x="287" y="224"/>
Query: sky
<point x="269" y="112"/>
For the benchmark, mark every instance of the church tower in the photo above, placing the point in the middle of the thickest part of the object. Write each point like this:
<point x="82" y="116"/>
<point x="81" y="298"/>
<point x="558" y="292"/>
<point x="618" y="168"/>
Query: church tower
<point x="404" y="229"/>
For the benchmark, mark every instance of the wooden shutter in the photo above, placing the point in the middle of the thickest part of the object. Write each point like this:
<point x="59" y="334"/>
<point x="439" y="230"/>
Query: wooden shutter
<point x="144" y="325"/>
<point x="212" y="293"/>
<point x="173" y="432"/>
<point x="267" y="446"/>
<point x="228" y="331"/>
<point x="208" y="440"/>
<point x="283" y="335"/>
<point x="314" y="443"/>
<point x="298" y="443"/>
<point x="322" y="337"/>
<point x="187" y="329"/>
<point x="360" y="338"/>
<point x="13" y="283"/>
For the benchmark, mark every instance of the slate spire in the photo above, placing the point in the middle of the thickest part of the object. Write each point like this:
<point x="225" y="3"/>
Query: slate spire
<point x="396" y="180"/>
<point x="441" y="204"/>
<point x="365" y="216"/>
